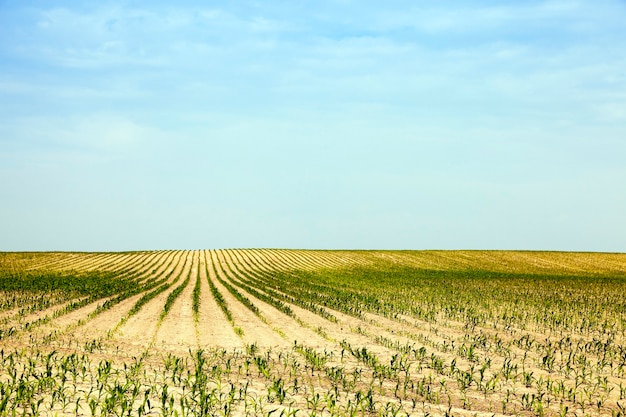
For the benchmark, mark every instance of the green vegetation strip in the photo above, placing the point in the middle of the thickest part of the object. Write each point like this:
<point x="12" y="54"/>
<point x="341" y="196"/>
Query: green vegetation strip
<point x="173" y="296"/>
<point x="219" y="299"/>
<point x="196" y="296"/>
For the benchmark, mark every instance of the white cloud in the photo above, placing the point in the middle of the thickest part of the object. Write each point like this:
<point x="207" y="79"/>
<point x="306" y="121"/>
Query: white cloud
<point x="242" y="58"/>
<point x="120" y="36"/>
<point x="446" y="19"/>
<point x="91" y="135"/>
<point x="612" y="112"/>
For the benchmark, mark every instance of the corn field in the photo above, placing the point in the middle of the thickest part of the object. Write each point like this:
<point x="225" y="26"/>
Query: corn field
<point x="268" y="332"/>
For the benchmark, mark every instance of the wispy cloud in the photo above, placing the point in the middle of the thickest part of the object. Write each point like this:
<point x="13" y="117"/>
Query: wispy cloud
<point x="90" y="135"/>
<point x="337" y="95"/>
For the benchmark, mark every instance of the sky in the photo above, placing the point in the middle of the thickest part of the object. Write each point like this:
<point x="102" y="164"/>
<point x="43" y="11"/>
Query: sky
<point x="136" y="125"/>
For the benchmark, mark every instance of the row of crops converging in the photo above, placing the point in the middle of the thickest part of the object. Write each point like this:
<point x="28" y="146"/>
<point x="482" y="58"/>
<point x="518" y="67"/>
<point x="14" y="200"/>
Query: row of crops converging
<point x="294" y="332"/>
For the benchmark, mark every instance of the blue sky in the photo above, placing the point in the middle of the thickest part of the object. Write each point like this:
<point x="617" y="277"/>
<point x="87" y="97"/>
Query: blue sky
<point x="313" y="124"/>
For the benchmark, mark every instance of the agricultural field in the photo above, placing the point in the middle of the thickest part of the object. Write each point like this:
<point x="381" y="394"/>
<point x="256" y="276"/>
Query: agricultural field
<point x="261" y="332"/>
